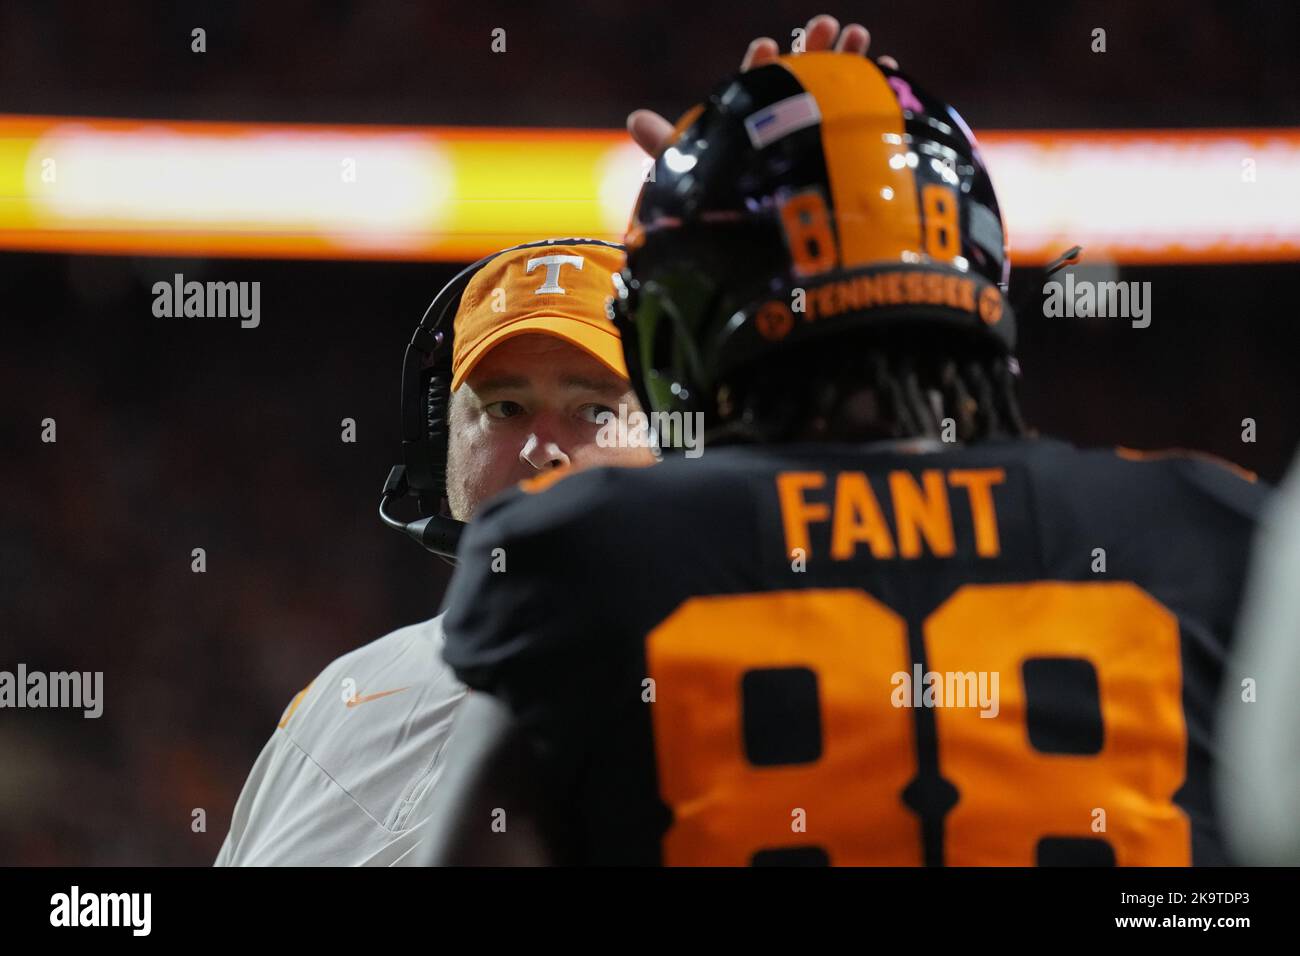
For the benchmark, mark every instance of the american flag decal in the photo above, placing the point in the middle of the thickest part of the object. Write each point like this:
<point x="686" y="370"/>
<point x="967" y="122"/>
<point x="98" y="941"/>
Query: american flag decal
<point x="781" y="119"/>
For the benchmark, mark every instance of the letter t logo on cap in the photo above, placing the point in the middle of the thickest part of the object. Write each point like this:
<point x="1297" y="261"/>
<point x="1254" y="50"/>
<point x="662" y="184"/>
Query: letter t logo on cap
<point x="553" y="266"/>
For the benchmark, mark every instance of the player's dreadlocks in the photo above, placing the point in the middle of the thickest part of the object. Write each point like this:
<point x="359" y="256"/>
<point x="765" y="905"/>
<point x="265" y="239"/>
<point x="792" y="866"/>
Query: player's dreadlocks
<point x="880" y="390"/>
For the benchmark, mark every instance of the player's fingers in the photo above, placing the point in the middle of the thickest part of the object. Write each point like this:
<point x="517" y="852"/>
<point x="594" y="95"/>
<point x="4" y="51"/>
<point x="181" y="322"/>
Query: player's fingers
<point x="649" y="130"/>
<point x="761" y="52"/>
<point x="820" y="33"/>
<point x="888" y="61"/>
<point x="853" y="39"/>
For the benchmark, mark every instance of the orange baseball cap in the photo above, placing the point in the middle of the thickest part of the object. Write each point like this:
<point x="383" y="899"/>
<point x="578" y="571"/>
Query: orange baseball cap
<point x="558" y="290"/>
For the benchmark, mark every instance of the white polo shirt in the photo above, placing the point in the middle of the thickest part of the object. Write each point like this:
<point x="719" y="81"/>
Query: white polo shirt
<point x="1259" y="779"/>
<point x="342" y="781"/>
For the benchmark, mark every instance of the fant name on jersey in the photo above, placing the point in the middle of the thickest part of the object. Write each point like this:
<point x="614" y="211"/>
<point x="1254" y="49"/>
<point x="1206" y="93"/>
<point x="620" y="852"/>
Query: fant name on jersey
<point x="849" y="502"/>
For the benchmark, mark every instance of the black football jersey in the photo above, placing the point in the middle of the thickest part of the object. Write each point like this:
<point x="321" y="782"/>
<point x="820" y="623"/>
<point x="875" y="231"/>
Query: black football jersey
<point x="1002" y="654"/>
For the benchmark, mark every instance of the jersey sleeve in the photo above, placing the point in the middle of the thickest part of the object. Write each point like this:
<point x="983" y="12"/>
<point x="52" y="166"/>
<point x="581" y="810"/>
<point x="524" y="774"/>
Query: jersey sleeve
<point x="1196" y="521"/>
<point x="533" y="620"/>
<point x="527" y="599"/>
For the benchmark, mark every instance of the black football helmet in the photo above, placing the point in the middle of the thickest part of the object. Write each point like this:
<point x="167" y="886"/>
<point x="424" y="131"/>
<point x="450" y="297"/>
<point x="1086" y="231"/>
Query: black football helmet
<point x="817" y="194"/>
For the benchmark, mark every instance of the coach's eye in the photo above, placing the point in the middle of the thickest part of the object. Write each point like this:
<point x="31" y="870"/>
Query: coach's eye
<point x="503" y="409"/>
<point x="592" y="412"/>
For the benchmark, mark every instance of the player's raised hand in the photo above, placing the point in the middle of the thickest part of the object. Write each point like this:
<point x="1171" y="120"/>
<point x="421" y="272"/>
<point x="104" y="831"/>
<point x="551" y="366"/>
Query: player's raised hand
<point x="653" y="132"/>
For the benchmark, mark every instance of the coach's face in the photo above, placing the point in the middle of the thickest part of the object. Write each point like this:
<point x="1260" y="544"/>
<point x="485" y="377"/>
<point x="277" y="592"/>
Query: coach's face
<point x="529" y="405"/>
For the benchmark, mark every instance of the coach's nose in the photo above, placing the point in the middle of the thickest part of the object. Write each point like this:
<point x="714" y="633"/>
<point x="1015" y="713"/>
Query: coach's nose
<point x="543" y="453"/>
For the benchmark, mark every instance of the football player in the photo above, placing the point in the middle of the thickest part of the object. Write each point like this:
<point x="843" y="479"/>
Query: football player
<point x="879" y="621"/>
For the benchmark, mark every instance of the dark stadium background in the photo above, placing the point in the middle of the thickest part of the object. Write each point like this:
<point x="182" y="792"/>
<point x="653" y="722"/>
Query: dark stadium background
<point x="183" y="433"/>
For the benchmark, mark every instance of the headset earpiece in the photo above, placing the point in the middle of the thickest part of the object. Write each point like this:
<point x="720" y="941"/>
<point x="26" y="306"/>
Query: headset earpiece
<point x="437" y="406"/>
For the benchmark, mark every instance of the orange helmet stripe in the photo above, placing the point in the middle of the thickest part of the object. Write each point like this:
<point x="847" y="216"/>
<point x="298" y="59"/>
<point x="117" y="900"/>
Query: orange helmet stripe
<point x="874" y="202"/>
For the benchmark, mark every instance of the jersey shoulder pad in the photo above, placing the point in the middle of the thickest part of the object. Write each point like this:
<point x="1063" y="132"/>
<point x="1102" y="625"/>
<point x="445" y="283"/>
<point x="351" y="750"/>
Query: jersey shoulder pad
<point x="1215" y="480"/>
<point x="533" y="577"/>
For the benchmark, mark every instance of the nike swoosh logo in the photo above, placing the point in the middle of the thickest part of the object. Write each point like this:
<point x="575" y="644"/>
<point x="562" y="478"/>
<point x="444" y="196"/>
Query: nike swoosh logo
<point x="383" y="693"/>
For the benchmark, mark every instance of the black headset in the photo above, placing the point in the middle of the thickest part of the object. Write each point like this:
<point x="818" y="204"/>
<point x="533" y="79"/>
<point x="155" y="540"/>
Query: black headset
<point x="426" y="399"/>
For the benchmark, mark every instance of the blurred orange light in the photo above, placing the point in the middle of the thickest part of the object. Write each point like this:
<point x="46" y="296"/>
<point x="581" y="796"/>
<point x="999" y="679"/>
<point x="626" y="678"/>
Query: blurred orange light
<point x="145" y="187"/>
